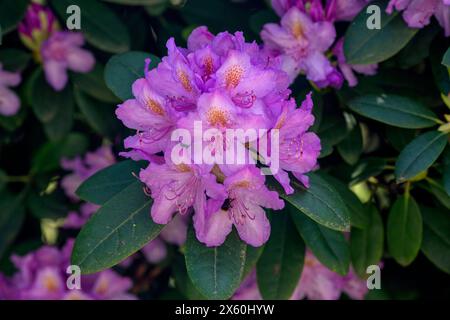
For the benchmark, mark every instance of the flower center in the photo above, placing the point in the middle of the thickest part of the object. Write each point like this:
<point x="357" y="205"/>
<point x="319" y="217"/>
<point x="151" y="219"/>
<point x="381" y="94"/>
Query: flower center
<point x="184" y="79"/>
<point x="233" y="76"/>
<point x="218" y="117"/>
<point x="155" y="107"/>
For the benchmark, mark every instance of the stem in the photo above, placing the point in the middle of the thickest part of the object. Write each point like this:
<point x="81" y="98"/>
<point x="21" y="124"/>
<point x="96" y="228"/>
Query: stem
<point x="19" y="179"/>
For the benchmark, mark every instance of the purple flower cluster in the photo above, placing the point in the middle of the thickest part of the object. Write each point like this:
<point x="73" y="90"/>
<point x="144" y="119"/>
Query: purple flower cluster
<point x="82" y="168"/>
<point x="9" y="101"/>
<point x="317" y="282"/>
<point x="417" y="13"/>
<point x="303" y="41"/>
<point x="225" y="84"/>
<point x="42" y="275"/>
<point x="58" y="51"/>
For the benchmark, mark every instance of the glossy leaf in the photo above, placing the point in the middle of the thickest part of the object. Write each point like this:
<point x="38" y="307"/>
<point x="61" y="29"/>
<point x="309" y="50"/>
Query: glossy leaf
<point x="366" y="245"/>
<point x="122" y="70"/>
<point x="107" y="183"/>
<point x="215" y="271"/>
<point x="120" y="227"/>
<point x="11" y="13"/>
<point x="404" y="230"/>
<point x="365" y="46"/>
<point x="321" y="202"/>
<point x="394" y="110"/>
<point x="419" y="154"/>
<point x="279" y="268"/>
<point x="93" y="84"/>
<point x="328" y="246"/>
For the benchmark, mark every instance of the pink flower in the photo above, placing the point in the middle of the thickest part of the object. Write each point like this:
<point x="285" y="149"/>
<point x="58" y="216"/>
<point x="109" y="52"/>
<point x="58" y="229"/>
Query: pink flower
<point x="58" y="51"/>
<point x="42" y="275"/>
<point x="61" y="52"/>
<point x="9" y="101"/>
<point x="305" y="41"/>
<point x="247" y="196"/>
<point x="225" y="84"/>
<point x="417" y="13"/>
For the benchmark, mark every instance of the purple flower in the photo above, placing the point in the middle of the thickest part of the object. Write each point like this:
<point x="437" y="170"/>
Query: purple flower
<point x="9" y="101"/>
<point x="225" y="84"/>
<point x="42" y="275"/>
<point x="58" y="51"/>
<point x="83" y="167"/>
<point x="39" y="23"/>
<point x="348" y="70"/>
<point x="299" y="149"/>
<point x="247" y="196"/>
<point x="61" y="52"/>
<point x="417" y="13"/>
<point x="305" y="41"/>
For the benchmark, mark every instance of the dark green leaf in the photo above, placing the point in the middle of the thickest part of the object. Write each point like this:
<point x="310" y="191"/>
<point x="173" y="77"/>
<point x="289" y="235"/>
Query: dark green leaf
<point x="93" y="83"/>
<point x="262" y="17"/>
<point x="183" y="283"/>
<point x="398" y="137"/>
<point x="280" y="266"/>
<point x="51" y="206"/>
<point x="122" y="70"/>
<point x="99" y="115"/>
<point x="252" y="256"/>
<point x="100" y="25"/>
<point x="436" y="238"/>
<point x="321" y="202"/>
<point x="109" y="182"/>
<point x="12" y="214"/>
<point x="394" y="110"/>
<point x="366" y="245"/>
<point x="351" y="147"/>
<point x="333" y="129"/>
<point x="404" y="230"/>
<point x="419" y="154"/>
<point x="11" y="12"/>
<point x="216" y="271"/>
<point x="48" y="157"/>
<point x="120" y="227"/>
<point x="328" y="246"/>
<point x="358" y="214"/>
<point x="136" y="2"/>
<point x="367" y="168"/>
<point x="3" y="180"/>
<point x="446" y="59"/>
<point x="14" y="59"/>
<point x="437" y="190"/>
<point x="446" y="176"/>
<point x="365" y="46"/>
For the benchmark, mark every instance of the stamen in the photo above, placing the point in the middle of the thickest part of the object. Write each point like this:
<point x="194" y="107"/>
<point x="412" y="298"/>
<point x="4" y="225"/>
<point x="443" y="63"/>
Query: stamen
<point x="233" y="76"/>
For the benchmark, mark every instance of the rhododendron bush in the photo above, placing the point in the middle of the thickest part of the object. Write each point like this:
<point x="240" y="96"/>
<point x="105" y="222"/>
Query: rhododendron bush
<point x="283" y="149"/>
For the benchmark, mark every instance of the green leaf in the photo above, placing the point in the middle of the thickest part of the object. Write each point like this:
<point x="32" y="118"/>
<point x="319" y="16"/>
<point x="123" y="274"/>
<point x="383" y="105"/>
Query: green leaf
<point x="260" y="18"/>
<point x="182" y="281"/>
<point x="280" y="266"/>
<point x="333" y="129"/>
<point x="321" y="202"/>
<point x="366" y="245"/>
<point x="436" y="238"/>
<point x="366" y="168"/>
<point x="215" y="271"/>
<point x="394" y="110"/>
<point x="251" y="258"/>
<point x="437" y="190"/>
<point x="419" y="155"/>
<point x="358" y="214"/>
<point x="404" y="230"/>
<point x="99" y="115"/>
<point x="446" y="175"/>
<point x="3" y="180"/>
<point x="14" y="59"/>
<point x="11" y="13"/>
<point x="351" y="147"/>
<point x="12" y="215"/>
<point x="398" y="137"/>
<point x="109" y="182"/>
<point x="446" y="59"/>
<point x="100" y="25"/>
<point x="122" y="70"/>
<point x="53" y="108"/>
<point x="48" y="157"/>
<point x="93" y="84"/>
<point x="120" y="227"/>
<point x="328" y="246"/>
<point x="52" y="206"/>
<point x="440" y="72"/>
<point x="366" y="46"/>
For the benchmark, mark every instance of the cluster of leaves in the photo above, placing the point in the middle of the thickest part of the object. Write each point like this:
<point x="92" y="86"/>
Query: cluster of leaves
<point x="384" y="169"/>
